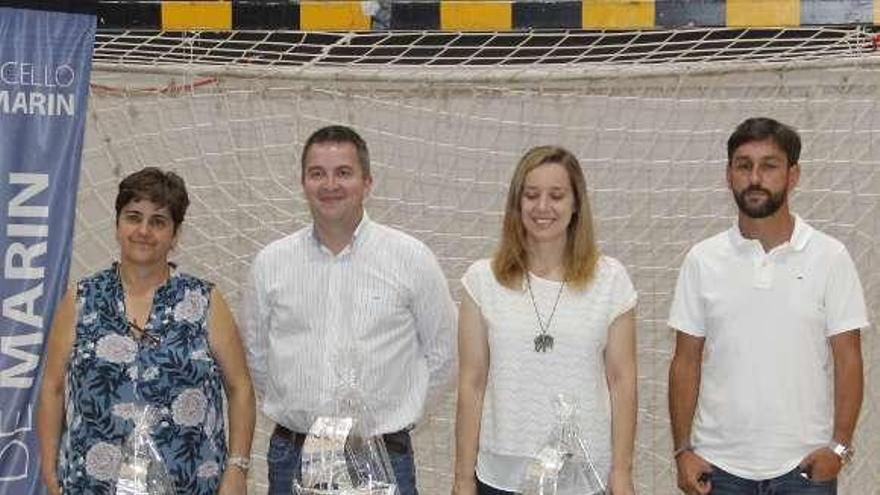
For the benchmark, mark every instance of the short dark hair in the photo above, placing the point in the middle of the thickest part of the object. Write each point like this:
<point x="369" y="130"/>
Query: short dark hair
<point x="339" y="134"/>
<point x="761" y="128"/>
<point x="161" y="188"/>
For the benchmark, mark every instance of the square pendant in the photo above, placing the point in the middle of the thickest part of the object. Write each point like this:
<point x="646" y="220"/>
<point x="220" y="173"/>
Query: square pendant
<point x="543" y="342"/>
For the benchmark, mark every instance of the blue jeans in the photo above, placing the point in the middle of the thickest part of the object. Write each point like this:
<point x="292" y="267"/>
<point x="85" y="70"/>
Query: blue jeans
<point x="285" y="462"/>
<point x="791" y="483"/>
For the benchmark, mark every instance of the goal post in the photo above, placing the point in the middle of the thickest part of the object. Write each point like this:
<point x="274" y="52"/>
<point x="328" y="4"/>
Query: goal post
<point x="446" y="117"/>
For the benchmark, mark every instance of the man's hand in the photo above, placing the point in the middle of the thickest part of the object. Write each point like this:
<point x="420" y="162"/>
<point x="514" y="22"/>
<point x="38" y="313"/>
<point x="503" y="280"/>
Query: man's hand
<point x="822" y="464"/>
<point x="693" y="472"/>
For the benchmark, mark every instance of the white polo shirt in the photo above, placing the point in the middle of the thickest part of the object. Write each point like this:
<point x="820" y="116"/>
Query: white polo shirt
<point x="766" y="396"/>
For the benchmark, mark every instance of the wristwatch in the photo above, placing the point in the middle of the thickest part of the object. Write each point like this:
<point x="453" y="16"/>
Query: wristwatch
<point x="239" y="461"/>
<point x="845" y="452"/>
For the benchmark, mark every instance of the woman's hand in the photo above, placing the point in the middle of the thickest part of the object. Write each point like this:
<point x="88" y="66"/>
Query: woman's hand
<point x="473" y="372"/>
<point x="621" y="482"/>
<point x="464" y="486"/>
<point x="226" y="347"/>
<point x="620" y="370"/>
<point x="234" y="482"/>
<point x="50" y="412"/>
<point x="50" y="479"/>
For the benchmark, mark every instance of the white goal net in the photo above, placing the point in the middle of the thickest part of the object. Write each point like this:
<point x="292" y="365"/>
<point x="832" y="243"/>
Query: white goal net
<point x="447" y="116"/>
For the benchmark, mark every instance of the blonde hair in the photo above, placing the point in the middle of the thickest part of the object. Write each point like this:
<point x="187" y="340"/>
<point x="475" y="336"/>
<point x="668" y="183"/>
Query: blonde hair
<point x="581" y="256"/>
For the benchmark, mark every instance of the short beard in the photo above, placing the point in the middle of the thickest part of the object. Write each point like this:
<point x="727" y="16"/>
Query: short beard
<point x="769" y="207"/>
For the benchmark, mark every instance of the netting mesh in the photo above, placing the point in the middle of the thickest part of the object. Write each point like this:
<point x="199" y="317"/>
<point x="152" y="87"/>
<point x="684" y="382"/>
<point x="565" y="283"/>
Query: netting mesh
<point x="518" y="52"/>
<point x="443" y="149"/>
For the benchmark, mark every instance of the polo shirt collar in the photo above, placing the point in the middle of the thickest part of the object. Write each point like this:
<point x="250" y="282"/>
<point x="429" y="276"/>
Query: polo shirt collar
<point x="800" y="236"/>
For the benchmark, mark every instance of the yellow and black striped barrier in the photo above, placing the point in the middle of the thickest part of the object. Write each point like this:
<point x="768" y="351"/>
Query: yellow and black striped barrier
<point x="473" y="15"/>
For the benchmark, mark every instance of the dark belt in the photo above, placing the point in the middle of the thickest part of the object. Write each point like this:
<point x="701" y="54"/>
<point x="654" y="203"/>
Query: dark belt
<point x="398" y="442"/>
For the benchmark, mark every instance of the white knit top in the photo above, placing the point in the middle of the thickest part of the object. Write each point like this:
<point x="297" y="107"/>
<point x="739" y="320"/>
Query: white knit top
<point x="518" y="412"/>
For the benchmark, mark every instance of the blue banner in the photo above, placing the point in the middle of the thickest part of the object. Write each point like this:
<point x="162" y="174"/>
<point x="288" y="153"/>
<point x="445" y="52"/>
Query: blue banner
<point x="45" y="61"/>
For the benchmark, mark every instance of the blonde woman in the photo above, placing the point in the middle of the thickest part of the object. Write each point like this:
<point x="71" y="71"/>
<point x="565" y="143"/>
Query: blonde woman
<point x="547" y="315"/>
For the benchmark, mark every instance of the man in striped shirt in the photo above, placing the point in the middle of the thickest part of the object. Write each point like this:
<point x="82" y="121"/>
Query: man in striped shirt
<point x="346" y="290"/>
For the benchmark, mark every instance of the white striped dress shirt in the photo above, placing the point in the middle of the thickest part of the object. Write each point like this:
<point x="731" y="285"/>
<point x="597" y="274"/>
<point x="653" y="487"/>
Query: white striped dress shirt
<point x="384" y="296"/>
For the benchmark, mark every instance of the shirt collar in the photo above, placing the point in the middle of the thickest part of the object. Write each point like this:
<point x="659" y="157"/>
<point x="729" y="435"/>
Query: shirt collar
<point x="798" y="241"/>
<point x="357" y="238"/>
<point x="801" y="235"/>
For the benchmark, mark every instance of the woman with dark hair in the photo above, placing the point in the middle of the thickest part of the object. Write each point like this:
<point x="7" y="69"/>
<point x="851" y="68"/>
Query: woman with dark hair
<point x="140" y="334"/>
<point x="547" y="315"/>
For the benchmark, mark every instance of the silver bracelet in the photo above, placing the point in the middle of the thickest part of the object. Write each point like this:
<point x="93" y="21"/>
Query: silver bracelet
<point x="241" y="462"/>
<point x="681" y="450"/>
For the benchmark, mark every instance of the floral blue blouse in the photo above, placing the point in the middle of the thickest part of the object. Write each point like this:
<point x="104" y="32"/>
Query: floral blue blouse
<point x="110" y="373"/>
